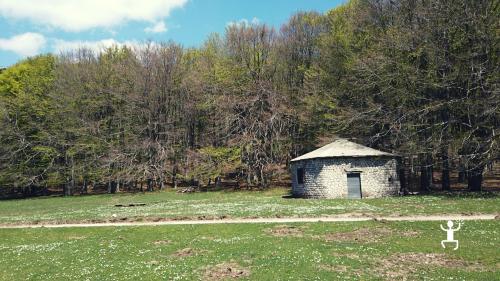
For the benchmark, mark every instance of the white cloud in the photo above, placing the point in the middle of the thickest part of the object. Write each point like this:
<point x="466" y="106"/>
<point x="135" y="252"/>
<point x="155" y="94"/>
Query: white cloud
<point x="244" y="22"/>
<point x="159" y="27"/>
<point x="62" y="46"/>
<point x="26" y="44"/>
<point x="78" y="15"/>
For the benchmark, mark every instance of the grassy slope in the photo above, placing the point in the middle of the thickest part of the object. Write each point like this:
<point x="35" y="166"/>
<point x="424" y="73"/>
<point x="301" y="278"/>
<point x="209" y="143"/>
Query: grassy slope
<point x="130" y="253"/>
<point x="231" y="204"/>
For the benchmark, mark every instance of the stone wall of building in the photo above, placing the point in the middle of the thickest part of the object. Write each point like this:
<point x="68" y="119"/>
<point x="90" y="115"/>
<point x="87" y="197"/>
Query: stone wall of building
<point x="327" y="177"/>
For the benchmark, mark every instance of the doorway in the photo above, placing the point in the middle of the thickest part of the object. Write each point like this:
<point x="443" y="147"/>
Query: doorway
<point x="354" y="185"/>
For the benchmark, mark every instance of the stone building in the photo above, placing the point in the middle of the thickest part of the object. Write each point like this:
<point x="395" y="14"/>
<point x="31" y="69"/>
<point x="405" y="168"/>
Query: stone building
<point x="344" y="169"/>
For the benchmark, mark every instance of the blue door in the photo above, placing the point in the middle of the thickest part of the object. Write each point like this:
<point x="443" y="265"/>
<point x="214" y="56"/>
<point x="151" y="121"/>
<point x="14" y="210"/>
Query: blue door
<point x="353" y="186"/>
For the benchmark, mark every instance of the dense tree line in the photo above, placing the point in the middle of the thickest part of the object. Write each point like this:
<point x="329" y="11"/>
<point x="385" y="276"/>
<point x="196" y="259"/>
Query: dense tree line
<point x="419" y="78"/>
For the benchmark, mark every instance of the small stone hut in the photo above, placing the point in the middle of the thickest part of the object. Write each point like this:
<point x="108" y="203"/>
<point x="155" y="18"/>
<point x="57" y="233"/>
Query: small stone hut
<point x="344" y="169"/>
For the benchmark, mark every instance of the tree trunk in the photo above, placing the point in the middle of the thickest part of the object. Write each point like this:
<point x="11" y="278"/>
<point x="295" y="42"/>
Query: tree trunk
<point x="72" y="182"/>
<point x="425" y="174"/>
<point x="112" y="186"/>
<point x="71" y="187"/>
<point x="249" y="179"/>
<point x="263" y="181"/>
<point x="403" y="185"/>
<point x="27" y="191"/>
<point x="150" y="185"/>
<point x="462" y="173"/>
<point x="445" y="173"/>
<point x="84" y="187"/>
<point x="45" y="191"/>
<point x="174" y="177"/>
<point x="68" y="188"/>
<point x="475" y="179"/>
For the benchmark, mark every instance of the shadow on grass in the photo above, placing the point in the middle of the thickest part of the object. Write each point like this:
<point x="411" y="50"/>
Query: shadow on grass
<point x="440" y="194"/>
<point x="466" y="194"/>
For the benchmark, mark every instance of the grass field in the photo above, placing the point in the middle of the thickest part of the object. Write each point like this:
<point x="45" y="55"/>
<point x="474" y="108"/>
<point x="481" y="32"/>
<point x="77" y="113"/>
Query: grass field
<point x="372" y="250"/>
<point x="241" y="204"/>
<point x="315" y="251"/>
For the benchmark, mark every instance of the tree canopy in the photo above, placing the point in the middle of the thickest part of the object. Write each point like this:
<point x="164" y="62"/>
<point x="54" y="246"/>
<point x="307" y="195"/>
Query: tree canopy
<point x="419" y="78"/>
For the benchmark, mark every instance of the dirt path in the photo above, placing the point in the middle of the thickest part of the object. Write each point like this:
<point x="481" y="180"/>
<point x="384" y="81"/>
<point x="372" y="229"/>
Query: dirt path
<point x="265" y="220"/>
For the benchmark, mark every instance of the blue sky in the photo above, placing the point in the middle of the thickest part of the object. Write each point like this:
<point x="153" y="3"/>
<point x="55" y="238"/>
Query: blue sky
<point x="30" y="27"/>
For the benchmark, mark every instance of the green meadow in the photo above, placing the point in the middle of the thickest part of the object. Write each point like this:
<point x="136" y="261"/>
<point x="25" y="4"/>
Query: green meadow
<point x="231" y="204"/>
<point x="305" y="251"/>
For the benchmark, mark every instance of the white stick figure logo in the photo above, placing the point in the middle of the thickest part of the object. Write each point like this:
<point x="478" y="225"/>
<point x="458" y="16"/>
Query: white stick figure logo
<point x="449" y="234"/>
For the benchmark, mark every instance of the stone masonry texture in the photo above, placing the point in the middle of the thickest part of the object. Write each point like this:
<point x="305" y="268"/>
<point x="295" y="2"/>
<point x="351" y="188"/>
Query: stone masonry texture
<point x="327" y="177"/>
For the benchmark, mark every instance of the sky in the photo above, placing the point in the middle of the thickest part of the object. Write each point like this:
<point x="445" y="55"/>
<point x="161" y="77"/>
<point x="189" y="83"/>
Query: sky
<point x="31" y="27"/>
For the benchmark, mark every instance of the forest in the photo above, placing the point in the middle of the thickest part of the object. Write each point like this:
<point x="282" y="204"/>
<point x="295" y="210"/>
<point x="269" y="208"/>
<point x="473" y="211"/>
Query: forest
<point x="417" y="78"/>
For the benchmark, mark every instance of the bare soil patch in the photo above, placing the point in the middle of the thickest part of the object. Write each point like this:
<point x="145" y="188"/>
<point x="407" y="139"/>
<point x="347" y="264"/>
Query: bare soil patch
<point x="352" y="256"/>
<point x="226" y="271"/>
<point x="186" y="252"/>
<point x="285" y="230"/>
<point x="410" y="233"/>
<point x="363" y="235"/>
<point x="402" y="266"/>
<point x="162" y="242"/>
<point x="343" y="270"/>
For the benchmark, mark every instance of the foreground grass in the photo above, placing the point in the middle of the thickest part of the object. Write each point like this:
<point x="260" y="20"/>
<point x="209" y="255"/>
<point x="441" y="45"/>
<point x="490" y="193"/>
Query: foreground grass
<point x="315" y="251"/>
<point x="270" y="203"/>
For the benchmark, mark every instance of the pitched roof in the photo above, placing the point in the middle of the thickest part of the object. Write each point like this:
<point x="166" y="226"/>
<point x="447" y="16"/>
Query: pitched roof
<point x="342" y="148"/>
